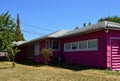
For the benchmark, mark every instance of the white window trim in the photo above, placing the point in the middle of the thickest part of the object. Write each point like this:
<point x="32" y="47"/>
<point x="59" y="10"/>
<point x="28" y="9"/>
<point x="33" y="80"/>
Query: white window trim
<point x="70" y="47"/>
<point x="77" y="46"/>
<point x="86" y="49"/>
<point x="93" y="48"/>
<point x="89" y="49"/>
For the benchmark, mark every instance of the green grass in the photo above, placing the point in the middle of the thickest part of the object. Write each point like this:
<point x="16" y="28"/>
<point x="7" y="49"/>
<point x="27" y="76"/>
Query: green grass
<point x="38" y="72"/>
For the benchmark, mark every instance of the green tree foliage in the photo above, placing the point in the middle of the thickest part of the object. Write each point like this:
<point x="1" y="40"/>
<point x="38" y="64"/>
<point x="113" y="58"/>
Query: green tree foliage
<point x="84" y="24"/>
<point x="7" y="30"/>
<point x="19" y="35"/>
<point x="89" y="23"/>
<point x="46" y="54"/>
<point x="8" y="35"/>
<point x="110" y="18"/>
<point x="11" y="53"/>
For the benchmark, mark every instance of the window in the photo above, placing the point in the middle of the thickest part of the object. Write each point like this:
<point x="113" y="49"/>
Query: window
<point x="67" y="47"/>
<point x="37" y="49"/>
<point x="47" y="44"/>
<point x="75" y="46"/>
<point x="81" y="45"/>
<point x="92" y="44"/>
<point x="56" y="45"/>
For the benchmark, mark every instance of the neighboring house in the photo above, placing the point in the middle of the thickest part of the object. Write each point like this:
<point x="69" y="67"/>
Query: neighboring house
<point x="95" y="45"/>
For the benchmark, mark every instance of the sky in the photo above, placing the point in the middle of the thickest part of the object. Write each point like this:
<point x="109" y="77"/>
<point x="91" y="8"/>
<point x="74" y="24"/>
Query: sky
<point x="40" y="17"/>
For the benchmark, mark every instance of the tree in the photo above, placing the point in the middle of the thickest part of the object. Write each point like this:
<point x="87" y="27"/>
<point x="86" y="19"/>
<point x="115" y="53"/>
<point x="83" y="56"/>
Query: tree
<point x="19" y="35"/>
<point x="12" y="51"/>
<point x="84" y="24"/>
<point x="7" y="30"/>
<point x="8" y="35"/>
<point x="110" y="18"/>
<point x="46" y="54"/>
<point x="89" y="23"/>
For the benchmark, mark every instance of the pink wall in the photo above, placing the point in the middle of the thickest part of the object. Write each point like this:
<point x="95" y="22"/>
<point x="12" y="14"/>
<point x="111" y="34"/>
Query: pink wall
<point x="37" y="58"/>
<point x="92" y="58"/>
<point x="99" y="58"/>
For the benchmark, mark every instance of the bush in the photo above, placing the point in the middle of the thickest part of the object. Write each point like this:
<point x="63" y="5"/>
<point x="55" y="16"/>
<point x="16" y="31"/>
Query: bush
<point x="46" y="54"/>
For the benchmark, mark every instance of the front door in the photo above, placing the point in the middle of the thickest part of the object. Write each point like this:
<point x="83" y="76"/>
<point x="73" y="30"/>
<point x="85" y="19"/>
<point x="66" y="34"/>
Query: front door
<point x="115" y="54"/>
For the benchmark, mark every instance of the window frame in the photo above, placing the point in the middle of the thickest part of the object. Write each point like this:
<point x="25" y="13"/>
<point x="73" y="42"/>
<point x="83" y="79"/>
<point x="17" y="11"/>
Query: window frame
<point x="72" y="46"/>
<point x="67" y="49"/>
<point x="58" y="44"/>
<point x="47" y="46"/>
<point x="83" y="48"/>
<point x="95" y="40"/>
<point x="86" y="49"/>
<point x="37" y="48"/>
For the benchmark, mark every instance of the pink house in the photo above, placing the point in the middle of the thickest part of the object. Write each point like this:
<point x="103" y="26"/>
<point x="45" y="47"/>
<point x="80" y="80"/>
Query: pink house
<point x="95" y="45"/>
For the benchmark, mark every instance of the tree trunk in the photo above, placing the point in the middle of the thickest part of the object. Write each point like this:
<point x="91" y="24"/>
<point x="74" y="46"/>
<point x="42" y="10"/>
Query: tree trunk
<point x="13" y="63"/>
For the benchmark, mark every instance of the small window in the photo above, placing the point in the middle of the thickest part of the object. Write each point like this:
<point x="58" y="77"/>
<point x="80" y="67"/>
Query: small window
<point x="74" y="46"/>
<point x="83" y="45"/>
<point x="67" y="47"/>
<point x="37" y="49"/>
<point x="92" y="44"/>
<point x="47" y="44"/>
<point x="56" y="45"/>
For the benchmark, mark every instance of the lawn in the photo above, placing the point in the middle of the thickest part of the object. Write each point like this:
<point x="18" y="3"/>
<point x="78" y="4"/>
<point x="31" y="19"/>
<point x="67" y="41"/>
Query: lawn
<point x="38" y="72"/>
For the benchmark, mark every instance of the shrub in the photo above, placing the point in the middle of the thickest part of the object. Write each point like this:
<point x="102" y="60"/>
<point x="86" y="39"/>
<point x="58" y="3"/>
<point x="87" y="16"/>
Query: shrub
<point x="46" y="54"/>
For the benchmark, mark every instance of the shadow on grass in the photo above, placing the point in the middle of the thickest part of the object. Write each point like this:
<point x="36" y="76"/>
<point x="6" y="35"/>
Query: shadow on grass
<point x="5" y="67"/>
<point x="63" y="66"/>
<point x="76" y="67"/>
<point x="31" y="63"/>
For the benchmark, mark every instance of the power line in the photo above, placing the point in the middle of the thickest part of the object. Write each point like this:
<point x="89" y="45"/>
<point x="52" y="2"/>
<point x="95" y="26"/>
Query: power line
<point x="40" y="28"/>
<point x="32" y="26"/>
<point x="31" y="32"/>
<point x="35" y="27"/>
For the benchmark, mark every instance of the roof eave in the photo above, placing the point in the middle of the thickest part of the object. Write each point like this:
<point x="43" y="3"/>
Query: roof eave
<point x="80" y="33"/>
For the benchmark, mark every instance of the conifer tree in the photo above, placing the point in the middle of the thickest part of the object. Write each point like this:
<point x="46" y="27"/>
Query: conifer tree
<point x="19" y="35"/>
<point x="8" y="35"/>
<point x="7" y="30"/>
<point x="110" y="18"/>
